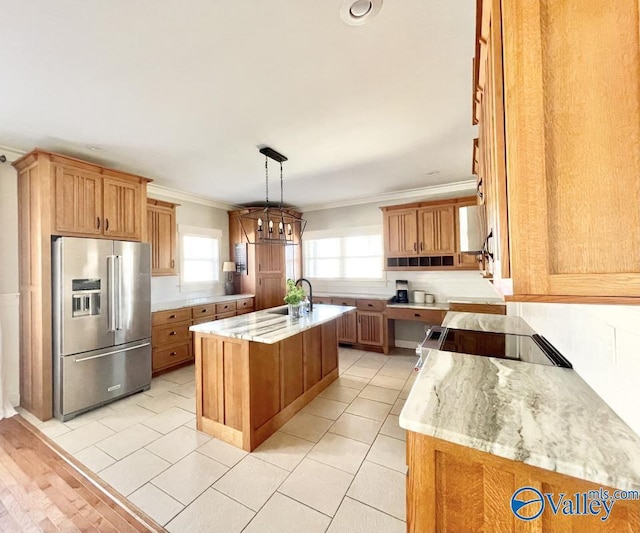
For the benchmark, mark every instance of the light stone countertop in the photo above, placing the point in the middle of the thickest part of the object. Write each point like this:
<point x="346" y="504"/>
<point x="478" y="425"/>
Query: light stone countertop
<point x="352" y="296"/>
<point x="540" y="415"/>
<point x="190" y="302"/>
<point x="269" y="328"/>
<point x="438" y="306"/>
<point x="485" y="322"/>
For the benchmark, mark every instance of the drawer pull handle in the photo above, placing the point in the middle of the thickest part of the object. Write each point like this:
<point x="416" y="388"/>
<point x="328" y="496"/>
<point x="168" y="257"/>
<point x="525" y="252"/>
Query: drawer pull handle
<point x="203" y="311"/>
<point x="173" y="353"/>
<point x="173" y="333"/>
<point x="416" y="314"/>
<point x="172" y="316"/>
<point x="370" y="305"/>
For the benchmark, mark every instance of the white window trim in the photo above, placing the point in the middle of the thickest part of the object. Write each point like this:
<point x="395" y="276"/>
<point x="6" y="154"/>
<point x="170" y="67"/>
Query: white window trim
<point x="347" y="231"/>
<point x="199" y="231"/>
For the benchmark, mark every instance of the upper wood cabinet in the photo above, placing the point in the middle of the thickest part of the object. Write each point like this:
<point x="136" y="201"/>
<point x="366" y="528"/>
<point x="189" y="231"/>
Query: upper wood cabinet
<point x="424" y="236"/>
<point x="558" y="147"/>
<point x="122" y="214"/>
<point x="161" y="234"/>
<point x="79" y="192"/>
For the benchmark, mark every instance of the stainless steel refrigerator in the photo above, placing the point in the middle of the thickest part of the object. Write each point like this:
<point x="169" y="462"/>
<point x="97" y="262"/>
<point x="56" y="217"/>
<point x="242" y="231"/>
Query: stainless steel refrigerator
<point x="101" y="322"/>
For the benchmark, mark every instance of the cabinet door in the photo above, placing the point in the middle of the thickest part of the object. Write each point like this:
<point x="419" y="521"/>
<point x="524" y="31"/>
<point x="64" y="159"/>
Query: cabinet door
<point x="347" y="328"/>
<point x="122" y="209"/>
<point x="437" y="230"/>
<point x="78" y="201"/>
<point x="312" y="352"/>
<point x="574" y="196"/>
<point x="270" y="291"/>
<point x="400" y="233"/>
<point x="370" y="328"/>
<point x="270" y="258"/>
<point x="161" y="233"/>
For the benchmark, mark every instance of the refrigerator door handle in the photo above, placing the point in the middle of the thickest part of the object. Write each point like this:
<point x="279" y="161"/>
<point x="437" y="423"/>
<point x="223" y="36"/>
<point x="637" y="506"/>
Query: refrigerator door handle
<point x="111" y="353"/>
<point x="118" y="277"/>
<point x="111" y="282"/>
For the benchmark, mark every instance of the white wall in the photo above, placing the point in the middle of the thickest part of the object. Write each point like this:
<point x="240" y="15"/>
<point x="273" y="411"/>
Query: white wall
<point x="9" y="288"/>
<point x="603" y="344"/>
<point x="167" y="288"/>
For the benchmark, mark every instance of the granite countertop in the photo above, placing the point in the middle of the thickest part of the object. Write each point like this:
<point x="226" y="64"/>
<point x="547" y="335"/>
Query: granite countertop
<point x="540" y="415"/>
<point x="356" y="296"/>
<point x="269" y="328"/>
<point x="438" y="306"/>
<point x="485" y="322"/>
<point x="190" y="302"/>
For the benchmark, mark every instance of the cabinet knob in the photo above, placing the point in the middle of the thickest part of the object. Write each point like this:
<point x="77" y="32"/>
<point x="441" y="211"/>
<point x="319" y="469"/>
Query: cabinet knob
<point x="106" y="224"/>
<point x="203" y="311"/>
<point x="416" y="315"/>
<point x="421" y="246"/>
<point x="370" y="305"/>
<point x="415" y="246"/>
<point x="173" y="353"/>
<point x="97" y="222"/>
<point x="173" y="263"/>
<point x="172" y="316"/>
<point x="173" y="333"/>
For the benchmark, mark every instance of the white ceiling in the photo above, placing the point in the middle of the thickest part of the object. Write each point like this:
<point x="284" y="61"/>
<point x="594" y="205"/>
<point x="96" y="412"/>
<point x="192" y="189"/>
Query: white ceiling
<point x="184" y="92"/>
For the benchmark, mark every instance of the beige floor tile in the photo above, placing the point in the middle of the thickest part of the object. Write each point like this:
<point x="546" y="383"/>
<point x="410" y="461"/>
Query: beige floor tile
<point x="160" y="386"/>
<point x="182" y="375"/>
<point x="352" y="382"/>
<point x="340" y="452"/>
<point x="222" y="452"/>
<point x="356" y="517"/>
<point x="370" y="361"/>
<point x="128" y="441"/>
<point x="379" y="394"/>
<point x="389" y="452"/>
<point x="369" y="409"/>
<point x="284" y="515"/>
<point x="391" y="428"/>
<point x="86" y="418"/>
<point x="188" y="390"/>
<point x="326" y="408"/>
<point x="381" y="488"/>
<point x="317" y="485"/>
<point x="162" y="402"/>
<point x="188" y="404"/>
<point x="361" y="371"/>
<point x="392" y="372"/>
<point x="119" y="405"/>
<point x="94" y="458"/>
<point x="387" y="382"/>
<point x="175" y="445"/>
<point x="124" y="418"/>
<point x="54" y="428"/>
<point x="211" y="512"/>
<point x="156" y="503"/>
<point x="306" y="426"/>
<point x="283" y="450"/>
<point x="397" y="407"/>
<point x="356" y="427"/>
<point x="83" y="437"/>
<point x="190" y="477"/>
<point x="133" y="471"/>
<point x="169" y="420"/>
<point x="338" y="393"/>
<point x="251" y="482"/>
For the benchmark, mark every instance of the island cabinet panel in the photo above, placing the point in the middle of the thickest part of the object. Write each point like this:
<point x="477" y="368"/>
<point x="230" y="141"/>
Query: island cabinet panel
<point x="264" y="375"/>
<point x="292" y="369"/>
<point x="330" y="348"/>
<point x="312" y="351"/>
<point x="453" y="488"/>
<point x="233" y="378"/>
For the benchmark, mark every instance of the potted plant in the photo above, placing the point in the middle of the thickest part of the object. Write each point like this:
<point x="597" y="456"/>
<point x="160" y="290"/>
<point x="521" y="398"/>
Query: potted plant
<point x="294" y="297"/>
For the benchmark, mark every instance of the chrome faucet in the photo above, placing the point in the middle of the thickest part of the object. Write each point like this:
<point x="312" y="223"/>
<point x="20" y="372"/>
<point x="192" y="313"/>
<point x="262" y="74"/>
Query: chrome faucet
<point x="299" y="282"/>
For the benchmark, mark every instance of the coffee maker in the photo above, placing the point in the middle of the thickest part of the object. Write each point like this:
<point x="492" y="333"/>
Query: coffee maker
<point x="402" y="291"/>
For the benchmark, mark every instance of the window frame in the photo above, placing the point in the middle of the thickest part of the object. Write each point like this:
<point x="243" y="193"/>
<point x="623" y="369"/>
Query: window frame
<point x="185" y="230"/>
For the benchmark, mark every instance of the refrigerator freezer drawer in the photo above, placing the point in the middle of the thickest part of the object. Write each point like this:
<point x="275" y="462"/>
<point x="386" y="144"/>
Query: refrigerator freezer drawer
<point x="93" y="378"/>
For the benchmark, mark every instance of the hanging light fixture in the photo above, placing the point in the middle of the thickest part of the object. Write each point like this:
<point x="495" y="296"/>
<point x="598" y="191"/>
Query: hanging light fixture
<point x="268" y="224"/>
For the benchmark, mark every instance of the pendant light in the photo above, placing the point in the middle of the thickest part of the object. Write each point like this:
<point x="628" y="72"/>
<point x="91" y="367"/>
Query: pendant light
<point x="272" y="225"/>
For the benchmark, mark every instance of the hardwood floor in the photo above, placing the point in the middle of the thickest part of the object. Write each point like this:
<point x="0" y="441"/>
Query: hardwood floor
<point x="41" y="491"/>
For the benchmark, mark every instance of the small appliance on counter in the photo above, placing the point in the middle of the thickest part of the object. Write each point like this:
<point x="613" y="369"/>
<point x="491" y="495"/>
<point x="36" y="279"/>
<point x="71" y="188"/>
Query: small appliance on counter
<point x="402" y="291"/>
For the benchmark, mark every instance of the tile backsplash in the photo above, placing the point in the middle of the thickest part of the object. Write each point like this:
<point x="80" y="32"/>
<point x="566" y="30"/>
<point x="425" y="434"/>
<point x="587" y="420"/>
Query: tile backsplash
<point x="603" y="344"/>
<point x="167" y="289"/>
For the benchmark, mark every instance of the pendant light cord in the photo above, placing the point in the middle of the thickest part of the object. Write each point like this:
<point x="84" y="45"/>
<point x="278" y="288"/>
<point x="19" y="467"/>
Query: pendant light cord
<point x="266" y="173"/>
<point x="281" y="188"/>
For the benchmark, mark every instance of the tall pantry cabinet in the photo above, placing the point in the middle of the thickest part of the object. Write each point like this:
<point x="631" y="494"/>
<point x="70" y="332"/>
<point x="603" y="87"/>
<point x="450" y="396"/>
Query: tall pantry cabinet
<point x="60" y="195"/>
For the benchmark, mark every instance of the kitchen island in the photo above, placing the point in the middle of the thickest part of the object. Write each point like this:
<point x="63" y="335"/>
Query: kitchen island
<point x="255" y="371"/>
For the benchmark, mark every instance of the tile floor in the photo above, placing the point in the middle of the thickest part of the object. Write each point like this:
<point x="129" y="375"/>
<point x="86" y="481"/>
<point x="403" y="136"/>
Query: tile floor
<point x="337" y="466"/>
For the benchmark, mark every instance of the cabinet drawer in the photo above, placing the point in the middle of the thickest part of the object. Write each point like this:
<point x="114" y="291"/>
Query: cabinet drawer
<point x="371" y="305"/>
<point x="246" y="303"/>
<point x="201" y="311"/>
<point x="161" y="318"/>
<point x="428" y="316"/>
<point x="344" y="301"/>
<point x="220" y="316"/>
<point x="225" y="307"/>
<point x="172" y="334"/>
<point x="165" y="357"/>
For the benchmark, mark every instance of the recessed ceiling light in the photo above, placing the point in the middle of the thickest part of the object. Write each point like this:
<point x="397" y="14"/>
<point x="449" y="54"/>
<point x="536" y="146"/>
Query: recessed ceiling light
<point x="358" y="12"/>
<point x="95" y="148"/>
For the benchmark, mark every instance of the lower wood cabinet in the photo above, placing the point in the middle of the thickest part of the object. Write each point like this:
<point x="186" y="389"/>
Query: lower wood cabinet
<point x="347" y="325"/>
<point x="370" y="328"/>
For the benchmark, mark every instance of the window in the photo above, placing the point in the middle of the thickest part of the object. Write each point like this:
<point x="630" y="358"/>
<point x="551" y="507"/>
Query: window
<point x="357" y="256"/>
<point x="200" y="256"/>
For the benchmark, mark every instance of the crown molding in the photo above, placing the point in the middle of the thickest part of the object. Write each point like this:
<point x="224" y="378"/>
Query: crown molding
<point x="174" y="194"/>
<point x="423" y="193"/>
<point x="11" y="153"/>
